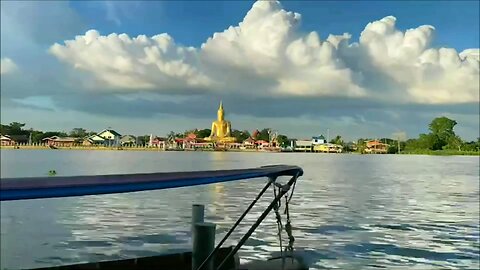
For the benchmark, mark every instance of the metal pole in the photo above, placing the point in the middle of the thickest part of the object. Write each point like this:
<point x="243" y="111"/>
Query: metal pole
<point x="203" y="244"/>
<point x="270" y="181"/>
<point x="198" y="214"/>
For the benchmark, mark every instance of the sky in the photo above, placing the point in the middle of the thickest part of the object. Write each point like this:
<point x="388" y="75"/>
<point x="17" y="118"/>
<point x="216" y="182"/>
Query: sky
<point x="358" y="69"/>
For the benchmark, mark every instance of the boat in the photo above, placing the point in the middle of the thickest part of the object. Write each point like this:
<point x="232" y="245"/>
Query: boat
<point x="204" y="254"/>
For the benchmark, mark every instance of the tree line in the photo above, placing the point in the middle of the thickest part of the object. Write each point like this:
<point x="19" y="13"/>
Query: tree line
<point x="441" y="137"/>
<point x="16" y="128"/>
<point x="36" y="136"/>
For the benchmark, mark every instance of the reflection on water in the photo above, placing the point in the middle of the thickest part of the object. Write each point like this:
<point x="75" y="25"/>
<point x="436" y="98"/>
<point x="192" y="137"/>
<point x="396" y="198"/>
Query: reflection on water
<point x="348" y="211"/>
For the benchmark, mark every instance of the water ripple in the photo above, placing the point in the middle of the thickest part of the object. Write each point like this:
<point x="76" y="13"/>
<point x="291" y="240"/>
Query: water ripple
<point x="348" y="211"/>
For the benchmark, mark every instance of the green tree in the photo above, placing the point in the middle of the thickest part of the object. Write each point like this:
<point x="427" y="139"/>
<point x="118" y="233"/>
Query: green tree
<point x="471" y="146"/>
<point x="442" y="127"/>
<point x="245" y="135"/>
<point x="350" y="146"/>
<point x="337" y="140"/>
<point x="442" y="130"/>
<point x="263" y="134"/>
<point x="361" y="145"/>
<point x="239" y="135"/>
<point x="143" y="139"/>
<point x="78" y="133"/>
<point x="392" y="149"/>
<point x="410" y="144"/>
<point x="441" y="136"/>
<point x="37" y="136"/>
<point x="282" y="140"/>
<point x="203" y="133"/>
<point x="424" y="141"/>
<point x="14" y="128"/>
<point x="428" y="141"/>
<point x="454" y="143"/>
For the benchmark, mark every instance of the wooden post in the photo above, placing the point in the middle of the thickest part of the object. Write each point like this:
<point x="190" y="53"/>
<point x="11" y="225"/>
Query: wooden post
<point x="203" y="245"/>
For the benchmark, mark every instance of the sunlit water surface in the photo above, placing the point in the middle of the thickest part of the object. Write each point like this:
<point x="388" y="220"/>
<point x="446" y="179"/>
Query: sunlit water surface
<point x="348" y="211"/>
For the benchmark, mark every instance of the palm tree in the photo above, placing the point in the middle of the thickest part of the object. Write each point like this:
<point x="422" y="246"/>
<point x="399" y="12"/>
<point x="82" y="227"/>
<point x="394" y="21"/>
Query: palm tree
<point x="337" y="140"/>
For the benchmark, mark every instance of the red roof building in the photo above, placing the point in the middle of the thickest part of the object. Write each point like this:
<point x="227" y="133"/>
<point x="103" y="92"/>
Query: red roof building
<point x="376" y="147"/>
<point x="6" y="140"/>
<point x="61" y="141"/>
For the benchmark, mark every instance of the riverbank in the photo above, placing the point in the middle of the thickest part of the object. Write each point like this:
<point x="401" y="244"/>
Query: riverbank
<point x="152" y="149"/>
<point x="103" y="148"/>
<point x="441" y="152"/>
<point x="39" y="147"/>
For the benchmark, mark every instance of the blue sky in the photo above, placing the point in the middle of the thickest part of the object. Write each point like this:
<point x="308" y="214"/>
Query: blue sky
<point x="182" y="19"/>
<point x="373" y="89"/>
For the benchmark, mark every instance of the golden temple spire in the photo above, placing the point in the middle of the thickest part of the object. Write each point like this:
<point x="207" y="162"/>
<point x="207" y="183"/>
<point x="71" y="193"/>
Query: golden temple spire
<point x="220" y="112"/>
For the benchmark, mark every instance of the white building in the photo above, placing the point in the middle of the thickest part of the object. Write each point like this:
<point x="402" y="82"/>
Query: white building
<point x="301" y="145"/>
<point x="318" y="140"/>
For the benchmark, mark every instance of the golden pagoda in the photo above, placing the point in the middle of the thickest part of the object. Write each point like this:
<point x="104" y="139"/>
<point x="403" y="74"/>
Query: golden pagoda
<point x="221" y="128"/>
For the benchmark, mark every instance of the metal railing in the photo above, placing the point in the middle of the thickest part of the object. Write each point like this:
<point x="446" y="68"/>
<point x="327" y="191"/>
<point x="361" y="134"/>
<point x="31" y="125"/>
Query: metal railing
<point x="283" y="189"/>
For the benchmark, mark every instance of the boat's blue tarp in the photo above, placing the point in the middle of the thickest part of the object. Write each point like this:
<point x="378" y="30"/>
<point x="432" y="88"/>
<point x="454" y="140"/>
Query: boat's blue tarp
<point x="57" y="186"/>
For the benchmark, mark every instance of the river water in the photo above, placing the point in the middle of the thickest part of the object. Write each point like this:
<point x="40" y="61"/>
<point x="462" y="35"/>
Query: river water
<point x="348" y="211"/>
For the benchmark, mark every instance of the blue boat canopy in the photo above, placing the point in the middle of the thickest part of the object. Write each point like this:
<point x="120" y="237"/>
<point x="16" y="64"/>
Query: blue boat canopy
<point x="67" y="186"/>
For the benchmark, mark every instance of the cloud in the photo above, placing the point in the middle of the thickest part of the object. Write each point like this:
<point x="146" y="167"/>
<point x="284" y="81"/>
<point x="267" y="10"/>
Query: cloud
<point x="268" y="45"/>
<point x="267" y="71"/>
<point x="470" y="54"/>
<point x="116" y="10"/>
<point x="112" y="12"/>
<point x="118" y="61"/>
<point x="268" y="55"/>
<point x="7" y="66"/>
<point x="428" y="75"/>
<point x="38" y="21"/>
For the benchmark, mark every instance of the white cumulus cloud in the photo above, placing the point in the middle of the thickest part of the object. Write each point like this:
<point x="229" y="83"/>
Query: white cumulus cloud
<point x="268" y="44"/>
<point x="7" y="66"/>
<point x="142" y="62"/>
<point x="267" y="54"/>
<point x="428" y="75"/>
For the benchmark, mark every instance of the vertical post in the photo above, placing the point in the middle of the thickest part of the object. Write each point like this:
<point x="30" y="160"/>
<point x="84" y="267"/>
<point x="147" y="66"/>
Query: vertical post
<point x="203" y="245"/>
<point x="198" y="214"/>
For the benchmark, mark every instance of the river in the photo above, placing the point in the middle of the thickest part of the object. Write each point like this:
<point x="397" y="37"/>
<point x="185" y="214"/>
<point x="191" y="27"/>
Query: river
<point x="348" y="211"/>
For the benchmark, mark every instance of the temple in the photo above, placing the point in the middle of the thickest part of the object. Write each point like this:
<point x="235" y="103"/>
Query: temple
<point x="221" y="128"/>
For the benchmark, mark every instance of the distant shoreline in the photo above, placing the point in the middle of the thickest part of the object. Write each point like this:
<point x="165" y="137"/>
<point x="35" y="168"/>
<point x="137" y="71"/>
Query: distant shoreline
<point x="442" y="153"/>
<point x="151" y="149"/>
<point x="104" y="148"/>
